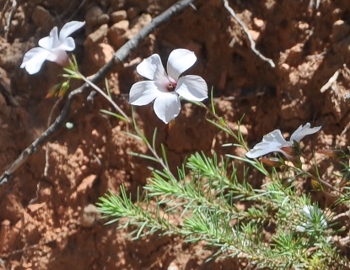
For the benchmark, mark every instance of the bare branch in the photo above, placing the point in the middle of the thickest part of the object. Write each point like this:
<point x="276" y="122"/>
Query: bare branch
<point x="246" y="31"/>
<point x="330" y="82"/>
<point x="9" y="18"/>
<point x="118" y="58"/>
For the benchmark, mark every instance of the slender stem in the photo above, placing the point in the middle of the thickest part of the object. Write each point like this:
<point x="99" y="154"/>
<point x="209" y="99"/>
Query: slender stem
<point x="105" y="96"/>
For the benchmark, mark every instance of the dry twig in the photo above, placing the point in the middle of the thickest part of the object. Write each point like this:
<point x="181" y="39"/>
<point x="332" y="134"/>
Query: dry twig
<point x="330" y="82"/>
<point x="246" y="31"/>
<point x="10" y="16"/>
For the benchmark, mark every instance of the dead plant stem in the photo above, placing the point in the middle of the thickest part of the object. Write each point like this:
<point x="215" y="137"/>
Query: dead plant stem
<point x="246" y="31"/>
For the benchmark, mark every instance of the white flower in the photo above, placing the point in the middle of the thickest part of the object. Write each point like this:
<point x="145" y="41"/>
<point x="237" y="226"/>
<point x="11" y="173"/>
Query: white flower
<point x="52" y="48"/>
<point x="165" y="88"/>
<point x="274" y="141"/>
<point x="312" y="214"/>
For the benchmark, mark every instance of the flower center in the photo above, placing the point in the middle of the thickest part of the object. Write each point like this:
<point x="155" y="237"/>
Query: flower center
<point x="170" y="87"/>
<point x="171" y="84"/>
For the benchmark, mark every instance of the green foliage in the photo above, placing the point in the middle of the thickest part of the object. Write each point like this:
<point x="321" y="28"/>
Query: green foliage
<point x="212" y="199"/>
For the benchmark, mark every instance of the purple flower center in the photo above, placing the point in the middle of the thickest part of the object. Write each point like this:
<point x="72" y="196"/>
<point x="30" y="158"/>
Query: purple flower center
<point x="170" y="87"/>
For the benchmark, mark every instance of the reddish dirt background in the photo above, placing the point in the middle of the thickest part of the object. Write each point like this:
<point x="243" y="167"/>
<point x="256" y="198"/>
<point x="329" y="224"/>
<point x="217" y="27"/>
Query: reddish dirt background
<point x="47" y="216"/>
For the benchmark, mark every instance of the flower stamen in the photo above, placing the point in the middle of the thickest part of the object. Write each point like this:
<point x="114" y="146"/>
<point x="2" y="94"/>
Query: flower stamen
<point x="171" y="87"/>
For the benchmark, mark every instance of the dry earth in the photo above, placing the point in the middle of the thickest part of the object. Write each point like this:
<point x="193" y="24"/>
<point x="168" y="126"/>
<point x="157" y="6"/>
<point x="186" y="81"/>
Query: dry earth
<point x="46" y="211"/>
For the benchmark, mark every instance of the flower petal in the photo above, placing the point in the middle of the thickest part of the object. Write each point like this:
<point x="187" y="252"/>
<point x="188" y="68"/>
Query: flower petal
<point x="307" y="209"/>
<point x="179" y="61"/>
<point x="69" y="28"/>
<point x="275" y="136"/>
<point x="192" y="88"/>
<point x="67" y="45"/>
<point x="33" y="59"/>
<point x="142" y="93"/>
<point x="264" y="148"/>
<point x="271" y="142"/>
<point x="58" y="56"/>
<point x="51" y="41"/>
<point x="302" y="131"/>
<point x="151" y="68"/>
<point x="167" y="106"/>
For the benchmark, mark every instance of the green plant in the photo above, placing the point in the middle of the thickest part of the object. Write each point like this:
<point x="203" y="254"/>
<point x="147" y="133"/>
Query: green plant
<point x="272" y="225"/>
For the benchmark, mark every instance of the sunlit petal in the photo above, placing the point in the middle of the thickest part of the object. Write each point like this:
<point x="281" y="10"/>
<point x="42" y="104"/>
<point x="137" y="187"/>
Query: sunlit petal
<point x="192" y="88"/>
<point x="51" y="41"/>
<point x="151" y="67"/>
<point x="179" y="61"/>
<point x="142" y="93"/>
<point x="167" y="106"/>
<point x="264" y="148"/>
<point x="33" y="59"/>
<point x="67" y="45"/>
<point x="303" y="131"/>
<point x="275" y="136"/>
<point x="307" y="209"/>
<point x="69" y="28"/>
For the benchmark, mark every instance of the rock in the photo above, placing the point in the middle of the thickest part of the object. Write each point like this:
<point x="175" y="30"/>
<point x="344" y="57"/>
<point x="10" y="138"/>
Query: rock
<point x="294" y="54"/>
<point x="284" y="67"/>
<point x="117" y="33"/>
<point x="95" y="17"/>
<point x="254" y="34"/>
<point x="89" y="216"/>
<point x="173" y="266"/>
<point x="100" y="54"/>
<point x="96" y="36"/>
<point x="42" y="18"/>
<point x="86" y="183"/>
<point x="132" y="12"/>
<point x="104" y="18"/>
<point x="35" y="206"/>
<point x="259" y="24"/>
<point x="340" y="30"/>
<point x="141" y="22"/>
<point x="117" y="4"/>
<point x="92" y="16"/>
<point x="104" y="3"/>
<point x="11" y="207"/>
<point x="341" y="39"/>
<point x="118" y="16"/>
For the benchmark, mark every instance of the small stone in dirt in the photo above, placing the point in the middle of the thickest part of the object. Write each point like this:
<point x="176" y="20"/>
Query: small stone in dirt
<point x="133" y="12"/>
<point x="116" y="34"/>
<point x="340" y="30"/>
<point x="104" y="18"/>
<point x="42" y="18"/>
<point x="89" y="216"/>
<point x="173" y="266"/>
<point x="141" y="22"/>
<point x="117" y="4"/>
<point x="34" y="207"/>
<point x="96" y="36"/>
<point x="284" y="67"/>
<point x="259" y="24"/>
<point x="118" y="16"/>
<point x="254" y="34"/>
<point x="100" y="54"/>
<point x="92" y="15"/>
